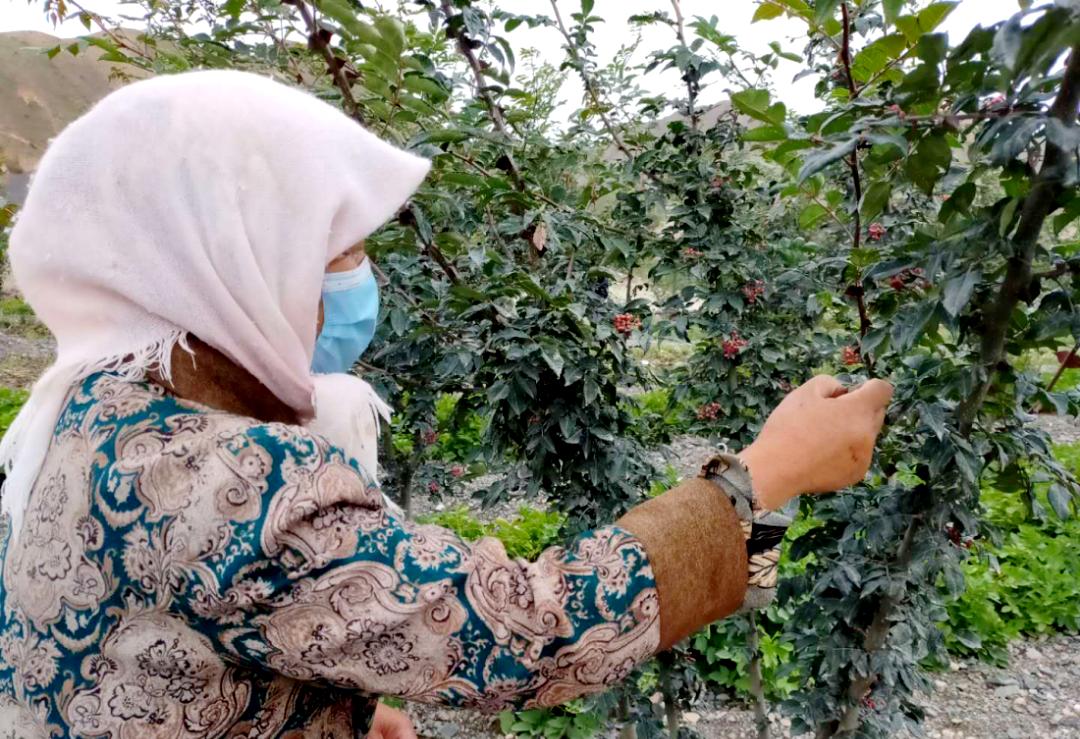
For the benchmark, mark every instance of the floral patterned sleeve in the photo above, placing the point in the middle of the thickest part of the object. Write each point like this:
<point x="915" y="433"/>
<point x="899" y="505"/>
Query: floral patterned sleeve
<point x="316" y="580"/>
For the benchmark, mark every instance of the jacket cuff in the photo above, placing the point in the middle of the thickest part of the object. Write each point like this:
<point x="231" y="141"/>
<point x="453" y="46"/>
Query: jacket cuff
<point x="697" y="551"/>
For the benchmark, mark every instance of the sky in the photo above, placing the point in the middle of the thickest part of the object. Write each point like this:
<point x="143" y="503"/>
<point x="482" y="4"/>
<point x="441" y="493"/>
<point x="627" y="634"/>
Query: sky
<point x="18" y="15"/>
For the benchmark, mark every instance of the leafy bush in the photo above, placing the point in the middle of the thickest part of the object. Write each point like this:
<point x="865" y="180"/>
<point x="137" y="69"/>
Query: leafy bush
<point x="526" y="535"/>
<point x="11" y="400"/>
<point x="1028" y="584"/>
<point x="573" y="720"/>
<point x="658" y="416"/>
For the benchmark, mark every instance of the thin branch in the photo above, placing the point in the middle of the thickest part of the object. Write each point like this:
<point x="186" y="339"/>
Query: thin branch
<point x="334" y="66"/>
<point x="1064" y="365"/>
<point x="757" y="688"/>
<point x="590" y="84"/>
<point x="407" y="217"/>
<point x="855" y="290"/>
<point x="692" y="86"/>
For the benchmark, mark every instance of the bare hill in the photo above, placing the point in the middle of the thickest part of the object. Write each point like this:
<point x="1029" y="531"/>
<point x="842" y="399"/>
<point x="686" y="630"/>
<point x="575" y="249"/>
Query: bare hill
<point x="39" y="95"/>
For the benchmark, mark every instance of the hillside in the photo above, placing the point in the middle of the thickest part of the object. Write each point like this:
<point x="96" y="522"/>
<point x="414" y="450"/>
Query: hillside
<point x="39" y="95"/>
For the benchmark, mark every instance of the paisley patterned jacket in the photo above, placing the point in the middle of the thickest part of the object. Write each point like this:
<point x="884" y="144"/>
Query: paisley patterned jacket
<point x="184" y="572"/>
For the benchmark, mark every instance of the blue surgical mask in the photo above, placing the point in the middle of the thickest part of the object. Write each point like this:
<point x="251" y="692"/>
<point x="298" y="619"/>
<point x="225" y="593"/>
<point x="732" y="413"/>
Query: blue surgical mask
<point x="350" y="312"/>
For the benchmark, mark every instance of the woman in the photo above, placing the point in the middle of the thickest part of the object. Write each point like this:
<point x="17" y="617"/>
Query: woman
<point x="185" y="551"/>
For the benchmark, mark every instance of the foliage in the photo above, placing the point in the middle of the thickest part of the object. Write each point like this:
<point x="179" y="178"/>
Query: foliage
<point x="572" y="721"/>
<point x="1027" y="584"/>
<point x="526" y="535"/>
<point x="11" y="400"/>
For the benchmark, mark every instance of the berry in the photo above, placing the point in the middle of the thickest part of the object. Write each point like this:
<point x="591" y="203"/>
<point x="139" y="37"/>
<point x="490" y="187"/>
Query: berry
<point x="875" y="232"/>
<point x="897" y="111"/>
<point x="851" y="355"/>
<point x="733" y="345"/>
<point x="430" y="437"/>
<point x="896" y="283"/>
<point x="626" y="323"/>
<point x="708" y="412"/>
<point x="433" y="487"/>
<point x="753" y="290"/>
<point x="691" y="253"/>
<point x="457" y="470"/>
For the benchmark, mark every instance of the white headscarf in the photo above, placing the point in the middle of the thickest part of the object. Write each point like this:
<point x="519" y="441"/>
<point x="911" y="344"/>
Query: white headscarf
<point x="208" y="203"/>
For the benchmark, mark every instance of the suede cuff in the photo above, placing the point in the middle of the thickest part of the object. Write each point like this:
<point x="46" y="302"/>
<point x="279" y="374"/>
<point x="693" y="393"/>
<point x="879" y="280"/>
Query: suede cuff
<point x="697" y="551"/>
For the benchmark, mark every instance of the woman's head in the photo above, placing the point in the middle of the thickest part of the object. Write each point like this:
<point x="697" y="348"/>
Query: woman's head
<point x="209" y="204"/>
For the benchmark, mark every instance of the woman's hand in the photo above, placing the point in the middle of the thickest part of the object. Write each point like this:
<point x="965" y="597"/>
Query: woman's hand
<point x="819" y="439"/>
<point x="391" y="723"/>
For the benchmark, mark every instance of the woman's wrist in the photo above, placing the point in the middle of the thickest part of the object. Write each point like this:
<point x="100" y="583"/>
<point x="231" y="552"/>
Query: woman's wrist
<point x="772" y="485"/>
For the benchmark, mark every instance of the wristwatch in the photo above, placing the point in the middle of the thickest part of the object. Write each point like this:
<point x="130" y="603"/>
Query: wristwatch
<point x="764" y="529"/>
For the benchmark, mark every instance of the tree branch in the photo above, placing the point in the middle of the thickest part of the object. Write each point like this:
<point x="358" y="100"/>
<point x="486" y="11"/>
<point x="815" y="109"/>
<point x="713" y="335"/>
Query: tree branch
<point x="495" y="113"/>
<point x="1040" y="202"/>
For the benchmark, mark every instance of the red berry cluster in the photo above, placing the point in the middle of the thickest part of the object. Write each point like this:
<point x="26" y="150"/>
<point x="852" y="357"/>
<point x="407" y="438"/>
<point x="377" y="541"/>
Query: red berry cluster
<point x="908" y="278"/>
<point x="691" y="253"/>
<point x="851" y="355"/>
<point x="625" y="323"/>
<point x="897" y="111"/>
<point x="953" y="532"/>
<point x="433" y="487"/>
<point x="430" y="437"/>
<point x="875" y="232"/>
<point x="753" y="290"/>
<point x="708" y="412"/>
<point x="997" y="104"/>
<point x="733" y="345"/>
<point x="869" y="703"/>
<point x="457" y="470"/>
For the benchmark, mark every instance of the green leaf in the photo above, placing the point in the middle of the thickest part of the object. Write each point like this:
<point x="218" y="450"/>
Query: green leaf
<point x="892" y="9"/>
<point x="766" y="133"/>
<point x="825" y="9"/>
<point x="231" y="8"/>
<point x="1068" y="214"/>
<point x="875" y="199"/>
<point x="342" y="12"/>
<point x="586" y="7"/>
<point x="822" y="159"/>
<point x="811" y="215"/>
<point x="957" y="292"/>
<point x="1007" y="215"/>
<point x="551" y="355"/>
<point x="1060" y="500"/>
<point x="755" y="103"/>
<point x="929" y="162"/>
<point x="766" y="12"/>
<point x="875" y="56"/>
<point x="393" y="31"/>
<point x="931" y="16"/>
<point x="959" y="201"/>
<point x="425" y="86"/>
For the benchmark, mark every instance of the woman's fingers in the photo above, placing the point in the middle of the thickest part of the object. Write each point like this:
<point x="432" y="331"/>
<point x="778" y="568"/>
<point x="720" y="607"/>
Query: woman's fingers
<point x="872" y="395"/>
<point x="826" y="386"/>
